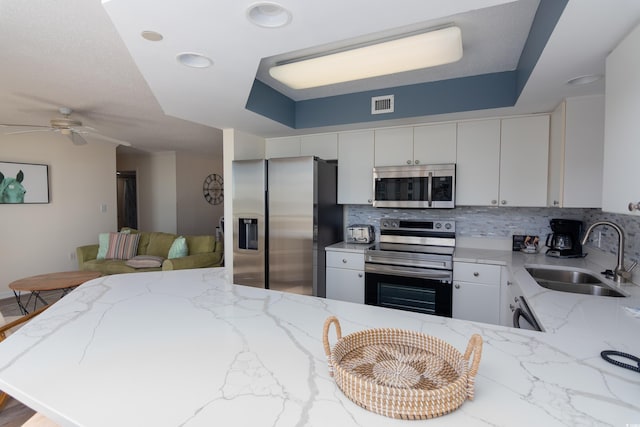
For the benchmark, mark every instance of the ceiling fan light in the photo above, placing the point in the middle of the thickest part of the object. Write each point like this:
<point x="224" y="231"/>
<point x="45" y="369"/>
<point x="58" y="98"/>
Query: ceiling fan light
<point x="65" y="131"/>
<point x="409" y="53"/>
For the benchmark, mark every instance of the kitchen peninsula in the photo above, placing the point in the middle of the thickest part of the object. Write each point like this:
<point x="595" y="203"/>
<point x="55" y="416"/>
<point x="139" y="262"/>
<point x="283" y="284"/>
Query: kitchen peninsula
<point x="188" y="348"/>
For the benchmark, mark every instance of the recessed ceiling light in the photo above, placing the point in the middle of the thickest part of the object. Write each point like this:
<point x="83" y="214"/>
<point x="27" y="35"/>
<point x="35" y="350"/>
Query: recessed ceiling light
<point x="268" y="15"/>
<point x="194" y="60"/>
<point x="583" y="80"/>
<point x="411" y="52"/>
<point x="152" y="36"/>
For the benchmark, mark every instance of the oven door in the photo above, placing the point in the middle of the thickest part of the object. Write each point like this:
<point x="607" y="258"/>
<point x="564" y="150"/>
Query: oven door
<point x="411" y="289"/>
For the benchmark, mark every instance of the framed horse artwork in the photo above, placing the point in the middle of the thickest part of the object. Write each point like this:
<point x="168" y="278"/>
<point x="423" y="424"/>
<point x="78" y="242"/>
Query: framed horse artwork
<point x="23" y="183"/>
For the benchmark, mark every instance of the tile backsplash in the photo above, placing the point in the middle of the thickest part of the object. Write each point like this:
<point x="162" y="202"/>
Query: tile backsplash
<point x="502" y="222"/>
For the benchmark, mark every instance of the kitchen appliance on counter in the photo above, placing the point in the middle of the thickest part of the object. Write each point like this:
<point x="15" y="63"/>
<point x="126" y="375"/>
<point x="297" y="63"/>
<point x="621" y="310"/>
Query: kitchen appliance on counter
<point x="420" y="186"/>
<point x="285" y="212"/>
<point x="411" y="267"/>
<point x="564" y="242"/>
<point x="360" y="233"/>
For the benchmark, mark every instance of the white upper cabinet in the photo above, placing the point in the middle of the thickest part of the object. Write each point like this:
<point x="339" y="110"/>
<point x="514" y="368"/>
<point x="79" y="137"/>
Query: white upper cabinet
<point x="394" y="146"/>
<point x="478" y="163"/>
<point x="282" y="147"/>
<point x="434" y="144"/>
<point x="621" y="174"/>
<point x="324" y="146"/>
<point x="524" y="156"/>
<point x="575" y="153"/>
<point x="420" y="145"/>
<point x="355" y="168"/>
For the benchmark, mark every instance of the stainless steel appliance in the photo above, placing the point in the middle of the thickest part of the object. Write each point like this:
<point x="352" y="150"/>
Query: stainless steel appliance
<point x="360" y="233"/>
<point x="522" y="316"/>
<point x="564" y="242"/>
<point x="284" y="214"/>
<point x="411" y="267"/>
<point x="421" y="186"/>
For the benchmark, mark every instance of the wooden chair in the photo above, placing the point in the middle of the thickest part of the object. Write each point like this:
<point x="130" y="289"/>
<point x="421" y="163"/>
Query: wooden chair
<point x="10" y="324"/>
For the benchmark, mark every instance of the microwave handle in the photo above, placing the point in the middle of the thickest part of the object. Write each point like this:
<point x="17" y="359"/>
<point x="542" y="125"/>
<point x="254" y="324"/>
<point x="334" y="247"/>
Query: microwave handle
<point x="429" y="189"/>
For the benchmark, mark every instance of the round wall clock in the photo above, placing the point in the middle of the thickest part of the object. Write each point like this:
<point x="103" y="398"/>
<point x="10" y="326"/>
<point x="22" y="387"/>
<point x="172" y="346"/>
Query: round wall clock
<point x="212" y="189"/>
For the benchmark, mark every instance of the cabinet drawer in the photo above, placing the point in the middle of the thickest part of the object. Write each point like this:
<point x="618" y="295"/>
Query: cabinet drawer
<point x="476" y="273"/>
<point x="348" y="260"/>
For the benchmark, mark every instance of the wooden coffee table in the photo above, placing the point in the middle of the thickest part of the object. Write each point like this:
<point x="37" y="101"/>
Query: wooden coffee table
<point x="65" y="281"/>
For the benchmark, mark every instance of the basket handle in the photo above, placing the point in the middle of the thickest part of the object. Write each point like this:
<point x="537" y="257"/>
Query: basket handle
<point x="475" y="347"/>
<point x="325" y="338"/>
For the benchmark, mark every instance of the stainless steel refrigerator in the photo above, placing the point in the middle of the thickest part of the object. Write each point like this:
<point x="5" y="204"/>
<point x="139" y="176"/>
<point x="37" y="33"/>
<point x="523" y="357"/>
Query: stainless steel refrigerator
<point x="285" y="212"/>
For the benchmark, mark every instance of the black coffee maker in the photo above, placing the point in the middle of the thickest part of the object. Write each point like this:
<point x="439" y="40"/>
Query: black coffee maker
<point x="564" y="242"/>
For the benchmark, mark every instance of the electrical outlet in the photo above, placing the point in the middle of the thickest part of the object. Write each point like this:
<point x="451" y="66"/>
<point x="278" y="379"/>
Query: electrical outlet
<point x="72" y="256"/>
<point x="103" y="207"/>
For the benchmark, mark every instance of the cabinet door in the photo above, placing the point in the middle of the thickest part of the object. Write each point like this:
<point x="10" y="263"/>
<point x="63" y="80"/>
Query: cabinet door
<point x="478" y="163"/>
<point x="434" y="144"/>
<point x="355" y="168"/>
<point x="345" y="285"/>
<point x="324" y="146"/>
<point x="621" y="173"/>
<point x="282" y="147"/>
<point x="524" y="157"/>
<point x="478" y="302"/>
<point x="394" y="147"/>
<point x="556" y="156"/>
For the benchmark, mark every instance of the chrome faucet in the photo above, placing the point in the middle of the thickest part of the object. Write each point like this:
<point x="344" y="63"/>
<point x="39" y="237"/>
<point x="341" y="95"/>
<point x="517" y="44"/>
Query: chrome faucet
<point x="620" y="274"/>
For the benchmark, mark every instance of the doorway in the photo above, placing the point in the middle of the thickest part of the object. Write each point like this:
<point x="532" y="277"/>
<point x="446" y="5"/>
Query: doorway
<point x="127" y="199"/>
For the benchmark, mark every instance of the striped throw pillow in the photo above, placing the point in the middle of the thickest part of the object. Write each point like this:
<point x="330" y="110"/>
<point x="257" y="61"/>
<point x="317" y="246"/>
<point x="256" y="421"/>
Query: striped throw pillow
<point x="122" y="246"/>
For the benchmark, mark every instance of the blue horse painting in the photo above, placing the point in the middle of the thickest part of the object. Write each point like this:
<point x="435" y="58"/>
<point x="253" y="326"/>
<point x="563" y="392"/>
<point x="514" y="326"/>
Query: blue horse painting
<point x="11" y="189"/>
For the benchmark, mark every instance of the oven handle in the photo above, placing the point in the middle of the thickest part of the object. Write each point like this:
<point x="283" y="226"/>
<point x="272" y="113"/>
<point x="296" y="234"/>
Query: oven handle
<point x="408" y="272"/>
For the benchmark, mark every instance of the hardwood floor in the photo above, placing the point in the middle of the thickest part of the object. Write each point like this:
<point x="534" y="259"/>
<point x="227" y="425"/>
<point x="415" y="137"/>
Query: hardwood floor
<point x="15" y="413"/>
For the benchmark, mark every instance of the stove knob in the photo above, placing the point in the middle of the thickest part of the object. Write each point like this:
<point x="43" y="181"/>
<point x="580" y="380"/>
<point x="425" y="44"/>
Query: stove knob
<point x="385" y="224"/>
<point x="438" y="225"/>
<point x="395" y="225"/>
<point x="447" y="226"/>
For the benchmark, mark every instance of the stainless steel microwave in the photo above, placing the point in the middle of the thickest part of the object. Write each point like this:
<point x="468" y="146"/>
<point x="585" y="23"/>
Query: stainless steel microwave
<point x="420" y="186"/>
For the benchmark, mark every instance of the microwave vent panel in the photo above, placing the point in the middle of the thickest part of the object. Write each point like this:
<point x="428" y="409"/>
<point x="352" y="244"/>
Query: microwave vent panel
<point x="382" y="104"/>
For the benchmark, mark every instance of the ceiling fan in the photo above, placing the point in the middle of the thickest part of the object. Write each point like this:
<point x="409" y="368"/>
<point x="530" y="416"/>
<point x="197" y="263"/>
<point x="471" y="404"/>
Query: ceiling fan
<point x="65" y="125"/>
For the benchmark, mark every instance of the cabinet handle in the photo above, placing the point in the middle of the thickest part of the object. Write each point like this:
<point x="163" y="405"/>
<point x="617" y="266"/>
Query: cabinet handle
<point x="417" y="162"/>
<point x="476" y="274"/>
<point x="509" y="283"/>
<point x="503" y="202"/>
<point x="370" y="201"/>
<point x="457" y="286"/>
<point x="408" y="162"/>
<point x="360" y="274"/>
<point x="494" y="202"/>
<point x="556" y="203"/>
<point x="634" y="206"/>
<point x="344" y="261"/>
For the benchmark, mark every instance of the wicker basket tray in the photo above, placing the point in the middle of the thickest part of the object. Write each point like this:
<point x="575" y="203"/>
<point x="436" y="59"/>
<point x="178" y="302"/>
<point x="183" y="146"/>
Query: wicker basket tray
<point x="402" y="374"/>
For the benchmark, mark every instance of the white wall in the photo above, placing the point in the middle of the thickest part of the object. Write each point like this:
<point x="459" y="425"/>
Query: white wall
<point x="42" y="238"/>
<point x="196" y="215"/>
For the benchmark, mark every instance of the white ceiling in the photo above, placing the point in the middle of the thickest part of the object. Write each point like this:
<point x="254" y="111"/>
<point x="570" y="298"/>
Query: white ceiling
<point x="90" y="57"/>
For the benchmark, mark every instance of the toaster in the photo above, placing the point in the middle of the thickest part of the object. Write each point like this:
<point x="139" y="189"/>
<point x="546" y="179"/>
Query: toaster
<point x="360" y="233"/>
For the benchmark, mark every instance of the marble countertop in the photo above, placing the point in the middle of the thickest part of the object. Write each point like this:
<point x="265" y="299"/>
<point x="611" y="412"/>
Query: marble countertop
<point x="188" y="348"/>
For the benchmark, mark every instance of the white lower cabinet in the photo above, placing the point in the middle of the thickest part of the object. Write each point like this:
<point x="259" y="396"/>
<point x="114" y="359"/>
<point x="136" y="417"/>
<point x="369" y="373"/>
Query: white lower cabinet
<point x="476" y="292"/>
<point x="345" y="276"/>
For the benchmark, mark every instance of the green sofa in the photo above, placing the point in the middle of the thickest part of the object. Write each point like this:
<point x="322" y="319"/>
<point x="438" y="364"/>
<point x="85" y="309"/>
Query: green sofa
<point x="204" y="251"/>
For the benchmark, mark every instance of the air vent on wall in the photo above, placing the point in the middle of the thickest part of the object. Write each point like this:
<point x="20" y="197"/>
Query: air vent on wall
<point x="382" y="104"/>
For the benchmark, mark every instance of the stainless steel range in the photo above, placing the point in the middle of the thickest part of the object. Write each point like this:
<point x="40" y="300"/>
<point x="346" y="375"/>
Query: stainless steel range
<point x="411" y="267"/>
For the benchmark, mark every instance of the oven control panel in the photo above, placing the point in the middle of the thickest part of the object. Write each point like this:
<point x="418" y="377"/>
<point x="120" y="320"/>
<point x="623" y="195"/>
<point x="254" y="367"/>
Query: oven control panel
<point x="445" y="226"/>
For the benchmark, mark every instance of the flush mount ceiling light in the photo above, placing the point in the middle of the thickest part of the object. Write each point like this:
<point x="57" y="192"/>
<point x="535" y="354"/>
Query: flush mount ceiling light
<point x="583" y="80"/>
<point x="194" y="60"/>
<point x="268" y="15"/>
<point x="152" y="36"/>
<point x="408" y="53"/>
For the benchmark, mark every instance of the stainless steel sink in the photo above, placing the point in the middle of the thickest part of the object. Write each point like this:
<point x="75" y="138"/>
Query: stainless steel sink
<point x="576" y="282"/>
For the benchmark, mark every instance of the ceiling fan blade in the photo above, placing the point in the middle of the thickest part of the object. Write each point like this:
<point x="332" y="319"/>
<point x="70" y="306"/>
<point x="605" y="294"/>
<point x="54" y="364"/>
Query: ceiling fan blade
<point x="77" y="139"/>
<point x="107" y="138"/>
<point x="22" y="126"/>
<point x="29" y="131"/>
